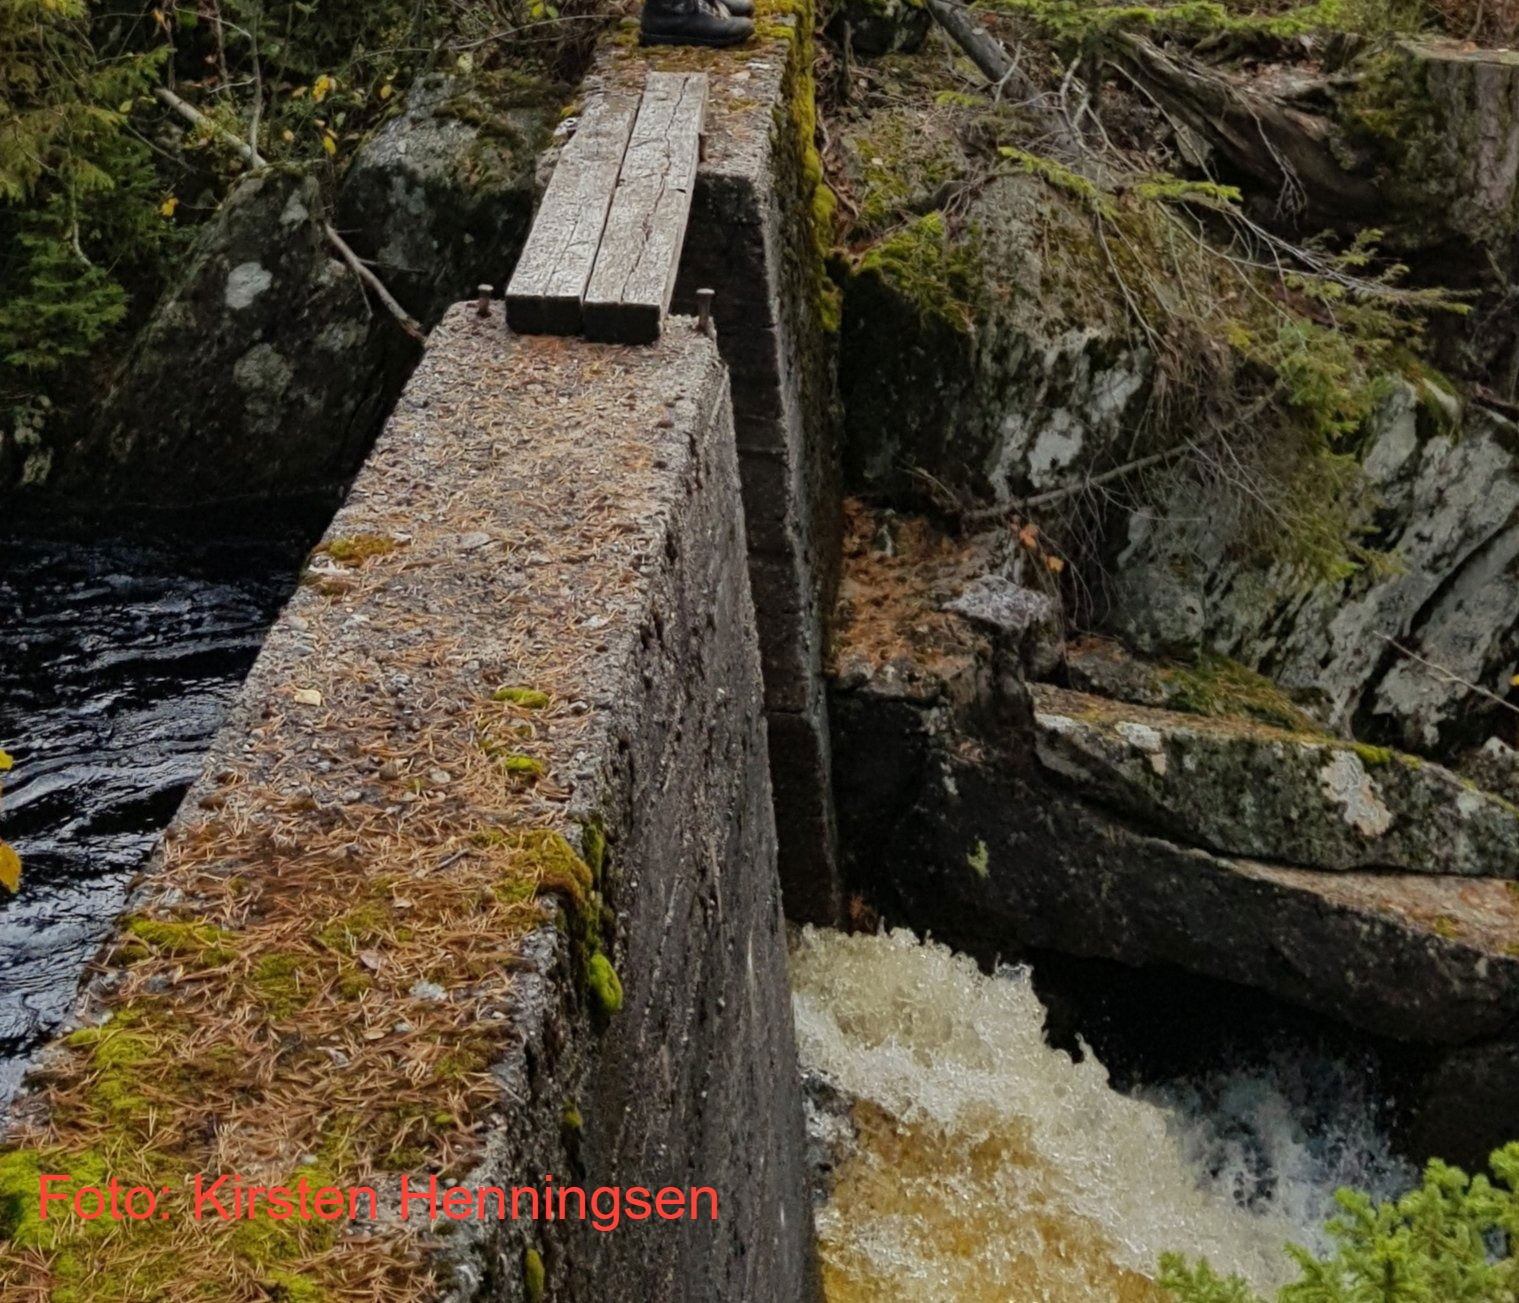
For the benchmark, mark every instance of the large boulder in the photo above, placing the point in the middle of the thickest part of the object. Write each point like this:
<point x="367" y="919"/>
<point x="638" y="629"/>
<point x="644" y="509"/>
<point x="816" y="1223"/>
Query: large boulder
<point x="1241" y="788"/>
<point x="441" y="197"/>
<point x="969" y="360"/>
<point x="266" y="372"/>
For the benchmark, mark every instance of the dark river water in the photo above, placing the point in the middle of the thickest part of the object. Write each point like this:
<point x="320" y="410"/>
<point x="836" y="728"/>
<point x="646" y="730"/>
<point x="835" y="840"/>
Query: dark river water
<point x="117" y="664"/>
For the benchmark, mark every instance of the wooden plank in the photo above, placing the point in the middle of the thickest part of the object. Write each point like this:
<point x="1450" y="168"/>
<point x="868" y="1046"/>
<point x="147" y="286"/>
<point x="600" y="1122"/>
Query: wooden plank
<point x="549" y="282"/>
<point x="630" y="287"/>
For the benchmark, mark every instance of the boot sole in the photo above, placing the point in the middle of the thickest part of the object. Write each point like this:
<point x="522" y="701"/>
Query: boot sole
<point x="713" y="43"/>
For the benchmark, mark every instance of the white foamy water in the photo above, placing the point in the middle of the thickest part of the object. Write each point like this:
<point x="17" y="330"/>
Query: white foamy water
<point x="992" y="1168"/>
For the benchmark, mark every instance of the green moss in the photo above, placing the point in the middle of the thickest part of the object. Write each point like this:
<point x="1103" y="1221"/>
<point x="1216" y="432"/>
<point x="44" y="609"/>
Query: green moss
<point x="514" y="891"/>
<point x="205" y="945"/>
<point x="904" y="165"/>
<point x="266" y="1243"/>
<point x="293" y="1287"/>
<point x="356" y="549"/>
<point x="1446" y="927"/>
<point x="1216" y="685"/>
<point x="1372" y="756"/>
<point x="523" y="768"/>
<point x="569" y="1117"/>
<point x="1074" y="24"/>
<point x="593" y="841"/>
<point x="534" y="1279"/>
<point x="938" y="276"/>
<point x="21" y="1171"/>
<point x="458" y="1064"/>
<point x="348" y="933"/>
<point x="979" y="860"/>
<point x="604" y="984"/>
<point x="544" y="857"/>
<point x="801" y="164"/>
<point x="281" y="984"/>
<point x="527" y="698"/>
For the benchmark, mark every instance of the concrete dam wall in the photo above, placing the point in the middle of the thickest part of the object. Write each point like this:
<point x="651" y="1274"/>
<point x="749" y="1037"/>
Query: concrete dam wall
<point x="479" y="886"/>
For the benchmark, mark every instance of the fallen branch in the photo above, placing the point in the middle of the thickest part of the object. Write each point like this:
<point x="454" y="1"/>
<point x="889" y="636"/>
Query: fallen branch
<point x="1448" y="676"/>
<point x="986" y="515"/>
<point x="341" y="246"/>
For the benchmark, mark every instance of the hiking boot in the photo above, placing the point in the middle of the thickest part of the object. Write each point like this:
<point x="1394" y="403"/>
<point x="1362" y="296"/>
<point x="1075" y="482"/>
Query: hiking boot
<point x="739" y="8"/>
<point x="691" y="22"/>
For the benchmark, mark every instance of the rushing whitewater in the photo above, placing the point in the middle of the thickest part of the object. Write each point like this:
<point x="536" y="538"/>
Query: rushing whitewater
<point x="990" y="1167"/>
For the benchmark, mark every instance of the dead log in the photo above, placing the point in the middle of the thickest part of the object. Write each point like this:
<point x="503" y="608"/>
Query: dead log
<point x="983" y="49"/>
<point x="1256" y="131"/>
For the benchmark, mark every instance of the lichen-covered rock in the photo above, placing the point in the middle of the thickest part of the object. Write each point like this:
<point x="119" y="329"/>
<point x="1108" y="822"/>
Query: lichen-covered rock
<point x="962" y="355"/>
<point x="1029" y="622"/>
<point x="1244" y="789"/>
<point x="1399" y="651"/>
<point x="1495" y="766"/>
<point x="958" y="832"/>
<point x="293" y="365"/>
<point x="441" y="197"/>
<point x="265" y="373"/>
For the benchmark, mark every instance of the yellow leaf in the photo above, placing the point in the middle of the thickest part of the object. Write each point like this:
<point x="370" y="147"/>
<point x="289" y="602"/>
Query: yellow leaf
<point x="287" y="135"/>
<point x="10" y="868"/>
<point x="323" y="88"/>
<point x="166" y="209"/>
<point x="5" y="762"/>
<point x="158" y="17"/>
<point x="308" y="697"/>
<point x="1029" y="536"/>
<point x="386" y="91"/>
<point x="298" y="93"/>
<point x="329" y="143"/>
<point x="1055" y="564"/>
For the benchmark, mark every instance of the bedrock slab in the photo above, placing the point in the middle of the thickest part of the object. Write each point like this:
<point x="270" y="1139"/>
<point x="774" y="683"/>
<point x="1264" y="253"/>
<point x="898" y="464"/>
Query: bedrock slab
<point x="1240" y="788"/>
<point x="1000" y="816"/>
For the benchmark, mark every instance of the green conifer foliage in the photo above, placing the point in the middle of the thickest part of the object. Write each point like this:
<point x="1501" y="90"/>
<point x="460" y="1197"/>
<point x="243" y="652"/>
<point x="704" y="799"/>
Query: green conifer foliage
<point x="78" y="196"/>
<point x="1451" y="1240"/>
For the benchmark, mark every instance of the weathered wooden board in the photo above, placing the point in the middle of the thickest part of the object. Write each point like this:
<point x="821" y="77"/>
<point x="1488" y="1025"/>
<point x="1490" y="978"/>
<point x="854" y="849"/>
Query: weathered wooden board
<point x="630" y="286"/>
<point x="550" y="279"/>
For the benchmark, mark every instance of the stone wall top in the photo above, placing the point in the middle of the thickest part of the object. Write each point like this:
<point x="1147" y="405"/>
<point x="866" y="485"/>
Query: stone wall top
<point x="508" y="722"/>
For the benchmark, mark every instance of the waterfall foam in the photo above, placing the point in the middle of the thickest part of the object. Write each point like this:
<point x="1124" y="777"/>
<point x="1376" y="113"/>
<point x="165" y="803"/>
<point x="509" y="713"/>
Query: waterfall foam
<point x="992" y="1167"/>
